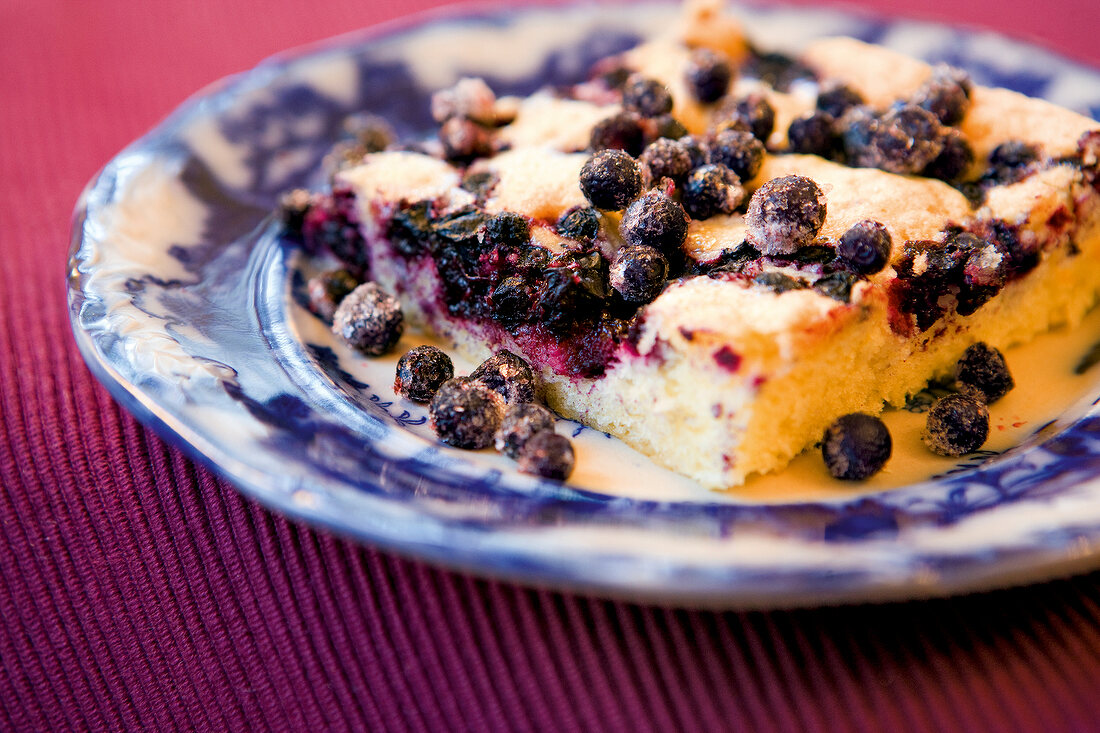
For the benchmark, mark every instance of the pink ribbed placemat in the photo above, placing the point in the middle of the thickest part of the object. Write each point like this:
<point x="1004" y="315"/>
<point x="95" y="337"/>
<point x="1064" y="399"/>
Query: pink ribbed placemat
<point x="139" y="592"/>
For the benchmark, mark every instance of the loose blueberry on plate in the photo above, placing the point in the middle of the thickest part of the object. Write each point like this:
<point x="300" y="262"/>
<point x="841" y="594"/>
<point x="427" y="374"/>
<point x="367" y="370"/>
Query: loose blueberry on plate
<point x="369" y="319"/>
<point x="465" y="413"/>
<point x="420" y="371"/>
<point x="957" y="424"/>
<point x="519" y="424"/>
<point x="508" y="375"/>
<point x="865" y="247"/>
<point x="785" y="214"/>
<point x="638" y="273"/>
<point x="547" y="454"/>
<point x="982" y="373"/>
<point x="611" y="179"/>
<point x="856" y="446"/>
<point x="327" y="290"/>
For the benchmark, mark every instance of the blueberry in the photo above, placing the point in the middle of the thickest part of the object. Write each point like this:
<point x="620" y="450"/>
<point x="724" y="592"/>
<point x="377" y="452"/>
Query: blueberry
<point x="777" y="70"/>
<point x="945" y="94"/>
<point x="480" y="183"/>
<point x="739" y="151"/>
<point x="982" y="373"/>
<point x="519" y="424"/>
<point x="754" y="112"/>
<point x="638" y="273"/>
<point x="1009" y="162"/>
<point x="581" y="223"/>
<point x="327" y="289"/>
<point x="511" y="301"/>
<point x="856" y="446"/>
<point x="573" y="290"/>
<point x="463" y="140"/>
<point x="785" y="214"/>
<point x="611" y="179"/>
<point x="622" y="131"/>
<point x="813" y="134"/>
<point x="905" y="140"/>
<point x="866" y="247"/>
<point x="645" y="96"/>
<point x="953" y="161"/>
<point x="668" y="126"/>
<point x="665" y="158"/>
<point x="656" y="220"/>
<point x="465" y="413"/>
<point x="698" y="148"/>
<point x="331" y="224"/>
<point x="957" y="424"/>
<point x="778" y="282"/>
<point x="711" y="190"/>
<point x="369" y="319"/>
<point x="547" y="454"/>
<point x="836" y="99"/>
<point x="708" y="75"/>
<point x="420" y="371"/>
<point x="509" y="376"/>
<point x="507" y="229"/>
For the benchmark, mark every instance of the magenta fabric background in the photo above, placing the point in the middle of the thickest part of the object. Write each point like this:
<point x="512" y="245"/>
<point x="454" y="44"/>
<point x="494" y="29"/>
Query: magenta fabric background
<point x="139" y="592"/>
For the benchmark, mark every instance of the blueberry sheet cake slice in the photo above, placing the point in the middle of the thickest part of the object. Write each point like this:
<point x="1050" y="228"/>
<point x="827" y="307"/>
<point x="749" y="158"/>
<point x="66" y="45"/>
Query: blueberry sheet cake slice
<point x="714" y="252"/>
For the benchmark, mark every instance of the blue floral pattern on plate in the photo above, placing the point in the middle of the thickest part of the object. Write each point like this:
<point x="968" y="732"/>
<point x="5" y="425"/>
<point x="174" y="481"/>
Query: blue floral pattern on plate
<point x="181" y="294"/>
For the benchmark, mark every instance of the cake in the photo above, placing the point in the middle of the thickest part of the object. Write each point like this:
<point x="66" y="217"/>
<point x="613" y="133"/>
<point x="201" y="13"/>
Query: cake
<point x="853" y="219"/>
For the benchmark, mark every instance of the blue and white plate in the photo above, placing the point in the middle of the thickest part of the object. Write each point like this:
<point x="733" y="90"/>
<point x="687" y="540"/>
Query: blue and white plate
<point x="185" y="304"/>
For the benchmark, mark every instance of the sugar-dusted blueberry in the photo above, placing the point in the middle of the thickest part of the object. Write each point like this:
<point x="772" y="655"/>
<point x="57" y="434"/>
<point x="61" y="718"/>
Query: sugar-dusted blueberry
<point x="638" y="272"/>
<point x="856" y="446"/>
<point x="369" y="319"/>
<point x="983" y="373"/>
<point x="520" y="423"/>
<point x="907" y="139"/>
<point x="507" y="229"/>
<point x="865" y="246"/>
<point x="611" y="179"/>
<point x="508" y="375"/>
<point x="547" y="454"/>
<point x="708" y="75"/>
<point x="665" y="158"/>
<point x="785" y="214"/>
<point x="648" y="97"/>
<point x="698" y="148"/>
<point x="420" y="371"/>
<point x="711" y="190"/>
<point x="836" y="99"/>
<point x="946" y="94"/>
<point x="957" y="424"/>
<point x="581" y="223"/>
<point x="622" y="131"/>
<point x="739" y="151"/>
<point x="465" y="413"/>
<point x="327" y="289"/>
<point x="813" y="134"/>
<point x="754" y="111"/>
<point x="954" y="160"/>
<point x="463" y="139"/>
<point x="657" y="220"/>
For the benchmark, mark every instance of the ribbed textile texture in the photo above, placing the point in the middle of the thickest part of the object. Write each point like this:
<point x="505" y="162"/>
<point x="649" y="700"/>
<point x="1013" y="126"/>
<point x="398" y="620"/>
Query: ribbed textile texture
<point x="138" y="592"/>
